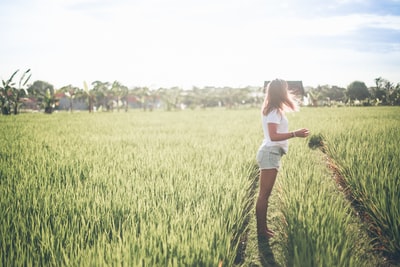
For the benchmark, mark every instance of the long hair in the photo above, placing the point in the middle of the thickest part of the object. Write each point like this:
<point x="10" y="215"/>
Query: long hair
<point x="278" y="97"/>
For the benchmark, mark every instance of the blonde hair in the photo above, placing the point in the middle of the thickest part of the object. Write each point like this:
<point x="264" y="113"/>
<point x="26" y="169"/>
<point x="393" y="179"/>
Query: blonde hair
<point x="278" y="97"/>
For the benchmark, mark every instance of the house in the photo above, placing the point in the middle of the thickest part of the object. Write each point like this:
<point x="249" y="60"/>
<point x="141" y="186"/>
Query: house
<point x="296" y="87"/>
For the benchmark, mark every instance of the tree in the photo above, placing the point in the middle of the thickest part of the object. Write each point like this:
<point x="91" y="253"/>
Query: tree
<point x="193" y="98"/>
<point x="49" y="101"/>
<point x="101" y="92"/>
<point x="146" y="97"/>
<point x="171" y="97"/>
<point x="386" y="92"/>
<point x="378" y="93"/>
<point x="120" y="92"/>
<point x="90" y="95"/>
<point x="10" y="96"/>
<point x="315" y="96"/>
<point x="71" y="92"/>
<point x="395" y="95"/>
<point x="335" y="93"/>
<point x="44" y="93"/>
<point x="357" y="90"/>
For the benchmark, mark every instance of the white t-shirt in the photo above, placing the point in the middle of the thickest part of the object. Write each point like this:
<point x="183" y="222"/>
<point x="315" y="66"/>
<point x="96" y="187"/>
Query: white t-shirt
<point x="283" y="127"/>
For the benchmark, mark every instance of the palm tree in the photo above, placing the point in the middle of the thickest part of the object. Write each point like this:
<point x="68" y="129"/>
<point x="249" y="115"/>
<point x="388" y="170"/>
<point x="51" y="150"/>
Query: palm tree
<point x="90" y="95"/>
<point x="315" y="96"/>
<point x="71" y="92"/>
<point x="5" y="103"/>
<point x="192" y="98"/>
<point x="101" y="91"/>
<point x="49" y="101"/>
<point x="44" y="93"/>
<point x="10" y="96"/>
<point x="171" y="97"/>
<point x="120" y="92"/>
<point x="145" y="97"/>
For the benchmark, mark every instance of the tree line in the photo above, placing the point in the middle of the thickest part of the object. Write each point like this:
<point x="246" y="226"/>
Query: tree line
<point x="383" y="93"/>
<point x="106" y="96"/>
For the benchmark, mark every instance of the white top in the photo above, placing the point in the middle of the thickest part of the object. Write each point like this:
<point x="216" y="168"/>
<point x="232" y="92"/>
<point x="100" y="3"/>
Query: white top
<point x="283" y="127"/>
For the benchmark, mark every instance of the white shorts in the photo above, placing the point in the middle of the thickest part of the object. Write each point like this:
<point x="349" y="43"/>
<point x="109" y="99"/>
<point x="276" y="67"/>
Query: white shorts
<point x="269" y="157"/>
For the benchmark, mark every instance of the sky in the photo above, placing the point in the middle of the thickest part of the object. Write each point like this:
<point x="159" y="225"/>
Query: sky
<point x="186" y="43"/>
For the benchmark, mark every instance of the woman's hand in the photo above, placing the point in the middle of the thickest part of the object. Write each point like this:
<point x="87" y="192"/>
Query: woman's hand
<point x="301" y="133"/>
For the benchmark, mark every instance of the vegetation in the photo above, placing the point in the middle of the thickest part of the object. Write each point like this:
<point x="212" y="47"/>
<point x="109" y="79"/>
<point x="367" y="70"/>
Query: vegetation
<point x="11" y="94"/>
<point x="357" y="93"/>
<point x="172" y="189"/>
<point x="106" y="96"/>
<point x="368" y="157"/>
<point x="321" y="220"/>
<point x="44" y="94"/>
<point x="357" y="90"/>
<point x="132" y="189"/>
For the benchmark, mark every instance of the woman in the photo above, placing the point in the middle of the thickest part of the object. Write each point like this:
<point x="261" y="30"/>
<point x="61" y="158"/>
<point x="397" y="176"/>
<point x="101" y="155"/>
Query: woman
<point x="274" y="145"/>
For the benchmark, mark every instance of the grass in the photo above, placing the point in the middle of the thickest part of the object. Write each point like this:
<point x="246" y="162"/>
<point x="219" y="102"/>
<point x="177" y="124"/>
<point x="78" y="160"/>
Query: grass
<point x="367" y="153"/>
<point x="81" y="189"/>
<point x="177" y="188"/>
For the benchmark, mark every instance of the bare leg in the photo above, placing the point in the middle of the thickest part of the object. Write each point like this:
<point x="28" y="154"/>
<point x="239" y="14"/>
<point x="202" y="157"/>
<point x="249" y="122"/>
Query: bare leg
<point x="267" y="181"/>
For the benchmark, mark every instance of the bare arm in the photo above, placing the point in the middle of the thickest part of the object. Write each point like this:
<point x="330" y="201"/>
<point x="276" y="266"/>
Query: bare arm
<point x="275" y="136"/>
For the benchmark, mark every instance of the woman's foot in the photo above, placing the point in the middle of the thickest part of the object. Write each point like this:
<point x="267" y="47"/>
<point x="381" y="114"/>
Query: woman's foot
<point x="270" y="232"/>
<point x="266" y="234"/>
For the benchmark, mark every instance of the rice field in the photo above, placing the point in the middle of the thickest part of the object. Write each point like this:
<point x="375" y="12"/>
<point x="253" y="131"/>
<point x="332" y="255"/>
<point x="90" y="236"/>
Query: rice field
<point x="178" y="189"/>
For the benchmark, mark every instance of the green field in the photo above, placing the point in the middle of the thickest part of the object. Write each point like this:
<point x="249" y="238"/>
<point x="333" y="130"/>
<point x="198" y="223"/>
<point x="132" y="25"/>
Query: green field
<point x="178" y="189"/>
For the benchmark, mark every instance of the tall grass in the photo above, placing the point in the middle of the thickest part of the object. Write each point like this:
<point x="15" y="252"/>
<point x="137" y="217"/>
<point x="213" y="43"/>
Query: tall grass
<point x="320" y="229"/>
<point x="314" y="222"/>
<point x="368" y="155"/>
<point x="172" y="189"/>
<point x="136" y="189"/>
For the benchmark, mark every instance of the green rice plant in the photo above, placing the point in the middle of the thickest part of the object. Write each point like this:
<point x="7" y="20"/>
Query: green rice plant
<point x="312" y="219"/>
<point x="367" y="153"/>
<point x="320" y="230"/>
<point x="178" y="189"/>
<point x="319" y="227"/>
<point x="141" y="189"/>
<point x="316" y="141"/>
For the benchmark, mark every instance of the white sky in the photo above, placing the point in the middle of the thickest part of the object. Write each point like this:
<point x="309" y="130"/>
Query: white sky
<point x="185" y="43"/>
